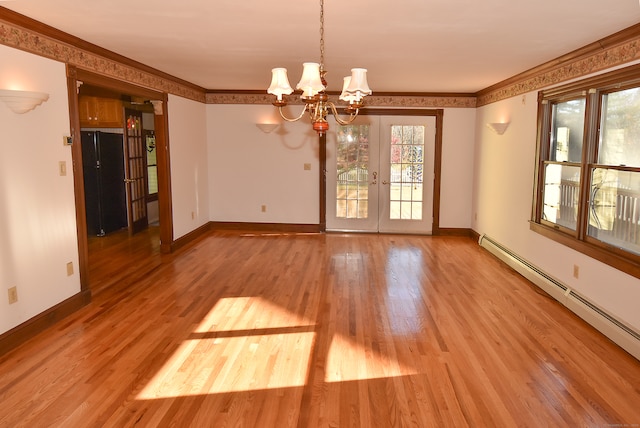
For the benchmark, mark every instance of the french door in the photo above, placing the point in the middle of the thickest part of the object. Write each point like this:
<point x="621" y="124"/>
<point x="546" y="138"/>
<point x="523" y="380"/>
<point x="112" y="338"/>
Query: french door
<point x="135" y="171"/>
<point x="380" y="172"/>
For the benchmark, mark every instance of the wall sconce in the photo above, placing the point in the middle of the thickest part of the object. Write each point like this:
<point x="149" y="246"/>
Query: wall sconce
<point x="267" y="127"/>
<point x="498" y="127"/>
<point x="22" y="101"/>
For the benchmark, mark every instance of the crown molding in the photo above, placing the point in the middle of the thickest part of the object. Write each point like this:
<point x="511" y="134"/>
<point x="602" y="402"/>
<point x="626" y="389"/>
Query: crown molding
<point x="20" y="32"/>
<point x="426" y="100"/>
<point x="621" y="48"/>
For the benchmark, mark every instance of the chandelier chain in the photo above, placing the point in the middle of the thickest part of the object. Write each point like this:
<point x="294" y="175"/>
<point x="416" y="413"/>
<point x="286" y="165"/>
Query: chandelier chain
<point x="314" y="95"/>
<point x="321" y="34"/>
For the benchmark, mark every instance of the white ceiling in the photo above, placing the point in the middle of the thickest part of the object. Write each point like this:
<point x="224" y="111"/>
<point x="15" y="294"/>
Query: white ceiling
<point x="407" y="45"/>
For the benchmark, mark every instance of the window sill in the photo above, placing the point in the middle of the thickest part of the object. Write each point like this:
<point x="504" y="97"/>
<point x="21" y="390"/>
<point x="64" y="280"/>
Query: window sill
<point x="594" y="251"/>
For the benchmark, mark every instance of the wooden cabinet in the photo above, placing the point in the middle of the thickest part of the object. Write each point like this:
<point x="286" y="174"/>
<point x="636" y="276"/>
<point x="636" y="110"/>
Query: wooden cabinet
<point x="100" y="112"/>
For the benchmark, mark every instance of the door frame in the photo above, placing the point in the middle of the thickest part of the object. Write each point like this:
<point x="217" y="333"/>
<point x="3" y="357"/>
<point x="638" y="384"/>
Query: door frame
<point x="75" y="78"/>
<point x="437" y="160"/>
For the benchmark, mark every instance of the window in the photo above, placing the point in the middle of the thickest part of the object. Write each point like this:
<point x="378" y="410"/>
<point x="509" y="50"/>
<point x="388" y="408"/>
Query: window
<point x="152" y="165"/>
<point x="588" y="169"/>
<point x="352" y="160"/>
<point x="407" y="161"/>
<point x="563" y="167"/>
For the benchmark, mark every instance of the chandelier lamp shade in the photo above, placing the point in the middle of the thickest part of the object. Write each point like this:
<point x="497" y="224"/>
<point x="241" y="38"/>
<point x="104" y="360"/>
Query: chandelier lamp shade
<point x="313" y="86"/>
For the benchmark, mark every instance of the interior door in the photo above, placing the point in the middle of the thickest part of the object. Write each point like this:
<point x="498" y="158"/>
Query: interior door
<point x="380" y="173"/>
<point x="135" y="168"/>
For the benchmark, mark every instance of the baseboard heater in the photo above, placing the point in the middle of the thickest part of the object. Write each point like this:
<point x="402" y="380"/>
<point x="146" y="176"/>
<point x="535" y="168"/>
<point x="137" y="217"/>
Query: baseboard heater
<point x="616" y="330"/>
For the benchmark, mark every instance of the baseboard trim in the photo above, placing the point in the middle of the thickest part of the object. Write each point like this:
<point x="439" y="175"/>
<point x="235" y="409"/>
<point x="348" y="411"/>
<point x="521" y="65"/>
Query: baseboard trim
<point x="265" y="227"/>
<point x="627" y="337"/>
<point x="312" y="228"/>
<point x="243" y="227"/>
<point x="39" y="323"/>
<point x="450" y="231"/>
<point x="190" y="237"/>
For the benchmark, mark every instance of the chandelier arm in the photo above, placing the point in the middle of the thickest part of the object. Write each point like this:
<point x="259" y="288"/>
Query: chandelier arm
<point x="317" y="111"/>
<point x="338" y="119"/>
<point x="292" y="120"/>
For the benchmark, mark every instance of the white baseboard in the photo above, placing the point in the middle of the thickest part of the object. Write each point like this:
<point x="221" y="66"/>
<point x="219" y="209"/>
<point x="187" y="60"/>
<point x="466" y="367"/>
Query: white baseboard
<point x="622" y="334"/>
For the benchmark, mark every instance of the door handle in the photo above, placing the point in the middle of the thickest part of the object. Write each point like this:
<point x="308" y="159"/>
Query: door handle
<point x="375" y="178"/>
<point x="128" y="180"/>
<point x="385" y="182"/>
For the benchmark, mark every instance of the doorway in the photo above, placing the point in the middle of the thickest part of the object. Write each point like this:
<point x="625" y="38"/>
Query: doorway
<point x="115" y="132"/>
<point x="97" y="270"/>
<point x="380" y="175"/>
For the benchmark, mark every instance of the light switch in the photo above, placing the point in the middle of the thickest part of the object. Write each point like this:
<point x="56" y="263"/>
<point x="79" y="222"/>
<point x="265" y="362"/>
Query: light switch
<point x="307" y="167"/>
<point x="63" y="168"/>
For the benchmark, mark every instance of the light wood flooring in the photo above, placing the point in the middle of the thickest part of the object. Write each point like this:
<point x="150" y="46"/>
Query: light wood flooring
<point x="336" y="330"/>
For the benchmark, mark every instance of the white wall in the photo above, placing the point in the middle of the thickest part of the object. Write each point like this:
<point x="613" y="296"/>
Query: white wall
<point x="189" y="169"/>
<point x="248" y="168"/>
<point x="456" y="190"/>
<point x="504" y="181"/>
<point x="37" y="210"/>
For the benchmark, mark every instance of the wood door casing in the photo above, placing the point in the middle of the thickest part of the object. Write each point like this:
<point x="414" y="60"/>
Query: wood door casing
<point x="136" y="171"/>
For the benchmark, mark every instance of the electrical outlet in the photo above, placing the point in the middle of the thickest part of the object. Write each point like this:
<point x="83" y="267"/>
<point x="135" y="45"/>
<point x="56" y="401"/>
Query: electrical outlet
<point x="13" y="295"/>
<point x="307" y="167"/>
<point x="263" y="208"/>
<point x="576" y="271"/>
<point x="69" y="268"/>
<point x="193" y="215"/>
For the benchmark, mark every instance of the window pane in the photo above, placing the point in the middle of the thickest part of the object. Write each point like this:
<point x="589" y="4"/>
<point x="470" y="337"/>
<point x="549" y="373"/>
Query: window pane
<point x="406" y="168"/>
<point x="416" y="210"/>
<point x="152" y="173"/>
<point x="567" y="131"/>
<point x="620" y="128"/>
<point x="560" y="194"/>
<point x="152" y="168"/>
<point x="614" y="208"/>
<point x="394" y="210"/>
<point x="352" y="183"/>
<point x="341" y="208"/>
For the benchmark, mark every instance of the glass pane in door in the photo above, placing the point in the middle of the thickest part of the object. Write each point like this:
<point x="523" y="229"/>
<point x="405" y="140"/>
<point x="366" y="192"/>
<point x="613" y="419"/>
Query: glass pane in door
<point x="136" y="169"/>
<point x="406" y="168"/>
<point x="352" y="161"/>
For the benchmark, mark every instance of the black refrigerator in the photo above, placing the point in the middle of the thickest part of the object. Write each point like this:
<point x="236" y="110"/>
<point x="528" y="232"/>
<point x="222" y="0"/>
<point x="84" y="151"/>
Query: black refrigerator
<point x="104" y="186"/>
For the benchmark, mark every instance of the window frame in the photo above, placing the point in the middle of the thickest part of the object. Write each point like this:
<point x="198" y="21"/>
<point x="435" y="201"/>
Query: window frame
<point x="592" y="90"/>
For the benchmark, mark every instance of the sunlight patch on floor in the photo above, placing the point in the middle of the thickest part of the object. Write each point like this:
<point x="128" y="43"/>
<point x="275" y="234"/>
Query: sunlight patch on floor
<point x="214" y="366"/>
<point x="250" y="344"/>
<point x="348" y="361"/>
<point x="243" y="344"/>
<point x="249" y="313"/>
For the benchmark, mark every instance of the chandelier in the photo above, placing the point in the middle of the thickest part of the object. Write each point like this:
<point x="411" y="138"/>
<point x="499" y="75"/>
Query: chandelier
<point x="313" y="85"/>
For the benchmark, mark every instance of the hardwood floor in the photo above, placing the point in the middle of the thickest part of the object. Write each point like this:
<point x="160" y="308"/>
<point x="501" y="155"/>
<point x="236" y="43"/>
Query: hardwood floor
<point x="118" y="260"/>
<point x="285" y="330"/>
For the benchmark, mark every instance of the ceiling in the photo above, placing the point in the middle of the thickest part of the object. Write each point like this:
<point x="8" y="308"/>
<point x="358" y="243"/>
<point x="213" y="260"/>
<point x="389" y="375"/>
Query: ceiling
<point x="407" y="46"/>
